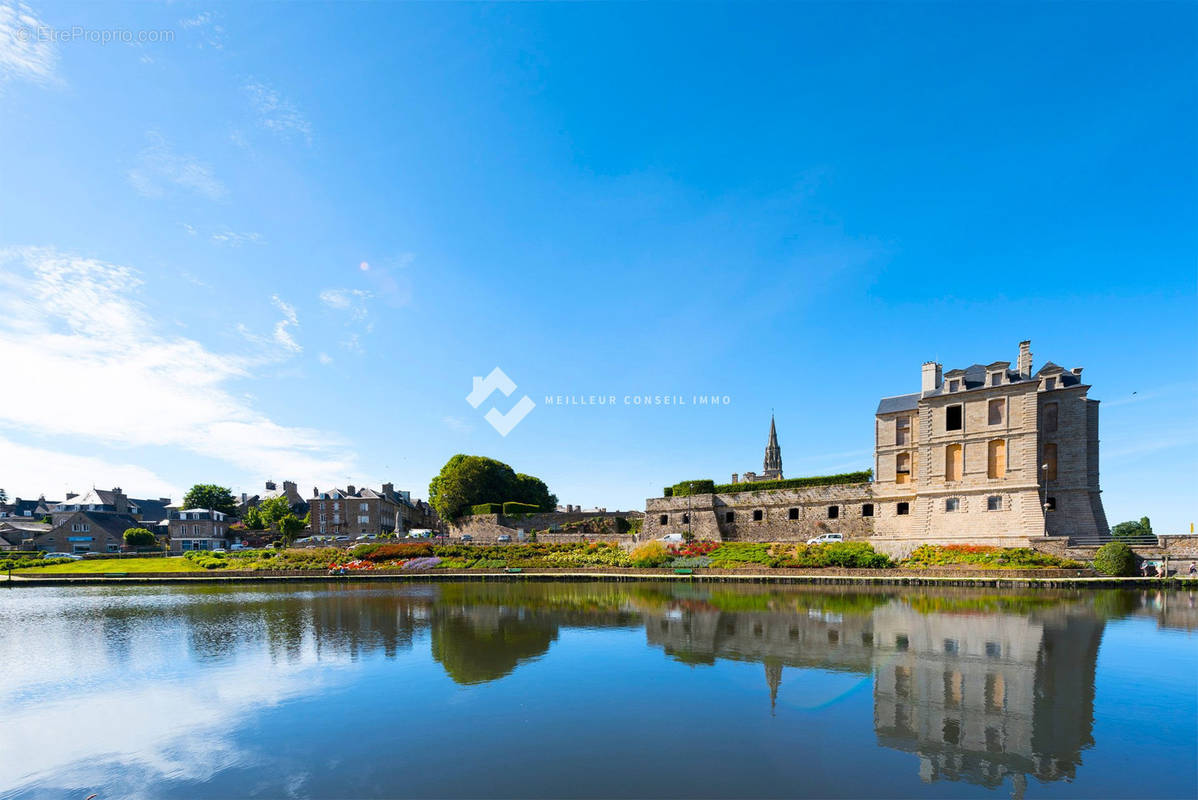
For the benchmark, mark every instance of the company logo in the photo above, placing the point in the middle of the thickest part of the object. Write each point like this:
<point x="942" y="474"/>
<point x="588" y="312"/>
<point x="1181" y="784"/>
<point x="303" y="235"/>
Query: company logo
<point x="499" y="381"/>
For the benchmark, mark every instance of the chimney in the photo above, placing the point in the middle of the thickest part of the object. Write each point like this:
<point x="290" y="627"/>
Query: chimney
<point x="388" y="489"/>
<point x="69" y="496"/>
<point x="315" y="492"/>
<point x="735" y="478"/>
<point x="931" y="377"/>
<point x="289" y="486"/>
<point x="351" y="490"/>
<point x="1025" y="358"/>
<point x="1077" y="371"/>
<point x="270" y="486"/>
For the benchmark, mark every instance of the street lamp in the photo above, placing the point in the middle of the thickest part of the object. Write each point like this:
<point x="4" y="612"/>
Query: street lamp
<point x="1044" y="469"/>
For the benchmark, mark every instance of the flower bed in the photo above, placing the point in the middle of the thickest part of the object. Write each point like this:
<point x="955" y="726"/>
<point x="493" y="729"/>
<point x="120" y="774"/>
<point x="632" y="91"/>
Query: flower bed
<point x="929" y="555"/>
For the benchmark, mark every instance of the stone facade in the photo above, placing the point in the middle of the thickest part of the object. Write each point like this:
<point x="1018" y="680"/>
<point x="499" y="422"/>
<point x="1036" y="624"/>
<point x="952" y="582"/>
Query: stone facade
<point x="779" y="515"/>
<point x="355" y="512"/>
<point x="197" y="529"/>
<point x="989" y="455"/>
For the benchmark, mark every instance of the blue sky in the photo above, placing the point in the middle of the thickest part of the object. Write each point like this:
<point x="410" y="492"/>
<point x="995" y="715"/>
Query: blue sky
<point x="281" y="244"/>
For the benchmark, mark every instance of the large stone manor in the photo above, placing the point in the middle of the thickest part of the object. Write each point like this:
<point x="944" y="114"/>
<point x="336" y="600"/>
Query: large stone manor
<point x="988" y="454"/>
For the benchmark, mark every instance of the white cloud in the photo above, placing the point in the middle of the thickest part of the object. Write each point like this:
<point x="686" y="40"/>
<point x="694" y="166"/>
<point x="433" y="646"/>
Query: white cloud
<point x="24" y="53"/>
<point x="232" y="239"/>
<point x="457" y="424"/>
<point x="325" y="358"/>
<point x="276" y="113"/>
<point x="352" y="301"/>
<point x="289" y="320"/>
<point x="51" y="471"/>
<point x="208" y="32"/>
<point x="122" y="381"/>
<point x="160" y="168"/>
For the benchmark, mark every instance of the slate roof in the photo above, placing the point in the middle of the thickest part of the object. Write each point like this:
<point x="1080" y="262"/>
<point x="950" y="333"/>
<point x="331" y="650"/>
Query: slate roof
<point x="152" y="511"/>
<point x="903" y="402"/>
<point x="113" y="525"/>
<point x="974" y="377"/>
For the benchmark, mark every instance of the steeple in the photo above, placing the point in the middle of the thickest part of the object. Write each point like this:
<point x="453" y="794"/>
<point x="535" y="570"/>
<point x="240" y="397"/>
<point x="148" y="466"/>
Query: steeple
<point x="773" y="678"/>
<point x="772" y="468"/>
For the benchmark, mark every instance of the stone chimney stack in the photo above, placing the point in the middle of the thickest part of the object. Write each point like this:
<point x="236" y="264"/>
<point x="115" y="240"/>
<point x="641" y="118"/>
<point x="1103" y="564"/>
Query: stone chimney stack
<point x="388" y="489"/>
<point x="351" y="490"/>
<point x="1025" y="359"/>
<point x="315" y="492"/>
<point x="270" y="486"/>
<point x="932" y="376"/>
<point x="289" y="486"/>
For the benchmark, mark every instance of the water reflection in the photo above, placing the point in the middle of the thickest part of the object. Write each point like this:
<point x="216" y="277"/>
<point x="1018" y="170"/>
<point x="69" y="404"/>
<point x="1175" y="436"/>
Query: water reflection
<point x="978" y="687"/>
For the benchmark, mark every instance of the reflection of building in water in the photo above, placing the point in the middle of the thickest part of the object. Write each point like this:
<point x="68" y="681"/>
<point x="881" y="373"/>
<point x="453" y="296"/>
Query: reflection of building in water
<point x="982" y="697"/>
<point x="977" y="696"/>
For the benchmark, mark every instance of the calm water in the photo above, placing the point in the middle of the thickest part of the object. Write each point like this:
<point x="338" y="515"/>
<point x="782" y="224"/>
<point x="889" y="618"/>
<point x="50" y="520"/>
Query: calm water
<point x="593" y="690"/>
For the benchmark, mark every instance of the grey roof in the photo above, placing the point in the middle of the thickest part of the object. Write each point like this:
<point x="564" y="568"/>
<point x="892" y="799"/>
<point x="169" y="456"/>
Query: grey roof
<point x="904" y="402"/>
<point x="113" y="525"/>
<point x="152" y="510"/>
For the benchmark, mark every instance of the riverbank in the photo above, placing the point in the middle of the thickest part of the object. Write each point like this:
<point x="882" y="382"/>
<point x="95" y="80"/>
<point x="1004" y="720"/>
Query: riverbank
<point x="1046" y="579"/>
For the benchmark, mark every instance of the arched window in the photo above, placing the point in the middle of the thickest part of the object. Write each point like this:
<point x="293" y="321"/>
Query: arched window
<point x="902" y="468"/>
<point x="953" y="462"/>
<point x="996" y="458"/>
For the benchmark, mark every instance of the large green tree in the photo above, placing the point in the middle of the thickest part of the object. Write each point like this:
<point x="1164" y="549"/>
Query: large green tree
<point x="274" y="509"/>
<point x="467" y="480"/>
<point x="289" y="528"/>
<point x="210" y="496"/>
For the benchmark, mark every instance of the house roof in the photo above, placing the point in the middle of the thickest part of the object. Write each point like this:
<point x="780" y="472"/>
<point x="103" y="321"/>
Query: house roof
<point x="152" y="510"/>
<point x="903" y="402"/>
<point x="113" y="525"/>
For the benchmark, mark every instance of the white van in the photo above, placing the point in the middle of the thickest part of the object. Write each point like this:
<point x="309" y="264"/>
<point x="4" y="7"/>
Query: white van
<point x="672" y="538"/>
<point x="827" y="538"/>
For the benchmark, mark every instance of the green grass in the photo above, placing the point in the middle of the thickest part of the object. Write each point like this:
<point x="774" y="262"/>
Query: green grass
<point x="100" y="566"/>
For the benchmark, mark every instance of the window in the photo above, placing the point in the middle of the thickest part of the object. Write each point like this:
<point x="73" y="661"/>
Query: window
<point x="867" y="639"/>
<point x="336" y="506"/>
<point x="901" y="642"/>
<point x="996" y="693"/>
<point x="665" y="519"/>
<point x="113" y="548"/>
<point x="1050" y="504"/>
<point x="686" y="518"/>
<point x="951" y="646"/>
<point x="996" y="458"/>
<point x="993" y="650"/>
<point x="363" y="519"/>
<point x="953" y="418"/>
<point x="363" y="507"/>
<point x="80" y="527"/>
<point x="953" y="458"/>
<point x="952" y="504"/>
<point x="995" y="409"/>
<point x="867" y="510"/>
<point x="996" y="379"/>
<point x="758" y="515"/>
<point x="954" y="685"/>
<point x="902" y="468"/>
<point x="954" y="385"/>
<point x="902" y="509"/>
<point x="994" y="503"/>
<point x="902" y="430"/>
<point x="1050" y="417"/>
<point x="951" y="732"/>
<point x="793" y="513"/>
<point x="1049" y="465"/>
<point x="1050" y="384"/>
<point x="729" y="516"/>
<point x="833" y="512"/>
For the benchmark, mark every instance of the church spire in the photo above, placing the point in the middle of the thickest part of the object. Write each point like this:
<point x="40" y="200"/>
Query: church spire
<point x="772" y="467"/>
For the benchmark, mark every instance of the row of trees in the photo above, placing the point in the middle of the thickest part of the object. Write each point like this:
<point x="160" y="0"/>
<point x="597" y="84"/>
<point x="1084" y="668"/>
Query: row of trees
<point x="467" y="481"/>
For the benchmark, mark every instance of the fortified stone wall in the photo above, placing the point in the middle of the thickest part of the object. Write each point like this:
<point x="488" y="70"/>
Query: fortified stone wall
<point x="778" y="515"/>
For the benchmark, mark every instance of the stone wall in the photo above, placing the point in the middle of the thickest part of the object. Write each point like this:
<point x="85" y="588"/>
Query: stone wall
<point x="489" y="527"/>
<point x="778" y="515"/>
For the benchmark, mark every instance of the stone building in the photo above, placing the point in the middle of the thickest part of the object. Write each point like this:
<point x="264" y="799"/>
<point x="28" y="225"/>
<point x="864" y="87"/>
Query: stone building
<point x="357" y="512"/>
<point x="197" y="529"/>
<point x="988" y="455"/>
<point x="982" y="455"/>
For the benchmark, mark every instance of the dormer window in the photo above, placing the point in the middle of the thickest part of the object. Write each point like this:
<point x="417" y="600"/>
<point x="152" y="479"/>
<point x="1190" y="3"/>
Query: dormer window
<point x="996" y="379"/>
<point x="954" y="385"/>
<point x="1050" y="384"/>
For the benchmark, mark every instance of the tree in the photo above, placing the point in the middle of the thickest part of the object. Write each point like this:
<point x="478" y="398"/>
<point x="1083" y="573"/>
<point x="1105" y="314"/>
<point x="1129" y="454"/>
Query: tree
<point x="253" y="519"/>
<point x="466" y="481"/>
<point x="289" y="528"/>
<point x="1132" y="529"/>
<point x="211" y="497"/>
<point x="273" y="509"/>
<point x="3" y="496"/>
<point x="139" y="537"/>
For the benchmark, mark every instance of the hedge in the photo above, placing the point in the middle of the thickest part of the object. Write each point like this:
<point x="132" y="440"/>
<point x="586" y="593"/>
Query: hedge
<point x="487" y="508"/>
<point x="511" y="508"/>
<point x="687" y="488"/>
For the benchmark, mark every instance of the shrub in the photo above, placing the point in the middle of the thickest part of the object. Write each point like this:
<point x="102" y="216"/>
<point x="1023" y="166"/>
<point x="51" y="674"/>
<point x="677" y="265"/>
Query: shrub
<point x="668" y="491"/>
<point x="1115" y="559"/>
<point x="392" y="552"/>
<point x="487" y="508"/>
<point x="735" y="554"/>
<point x="864" y="476"/>
<point x="511" y="509"/>
<point x="688" y="488"/>
<point x="139" y="537"/>
<point x="691" y="562"/>
<point x="928" y="555"/>
<point x="650" y="554"/>
<point x="422" y="563"/>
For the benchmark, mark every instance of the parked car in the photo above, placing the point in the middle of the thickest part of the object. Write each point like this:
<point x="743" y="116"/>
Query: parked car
<point x="71" y="556"/>
<point x="504" y="539"/>
<point x="220" y="550"/>
<point x="342" y="539"/>
<point x="827" y="538"/>
<point x="672" y="538"/>
<point x="367" y="537"/>
<point x="467" y="537"/>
